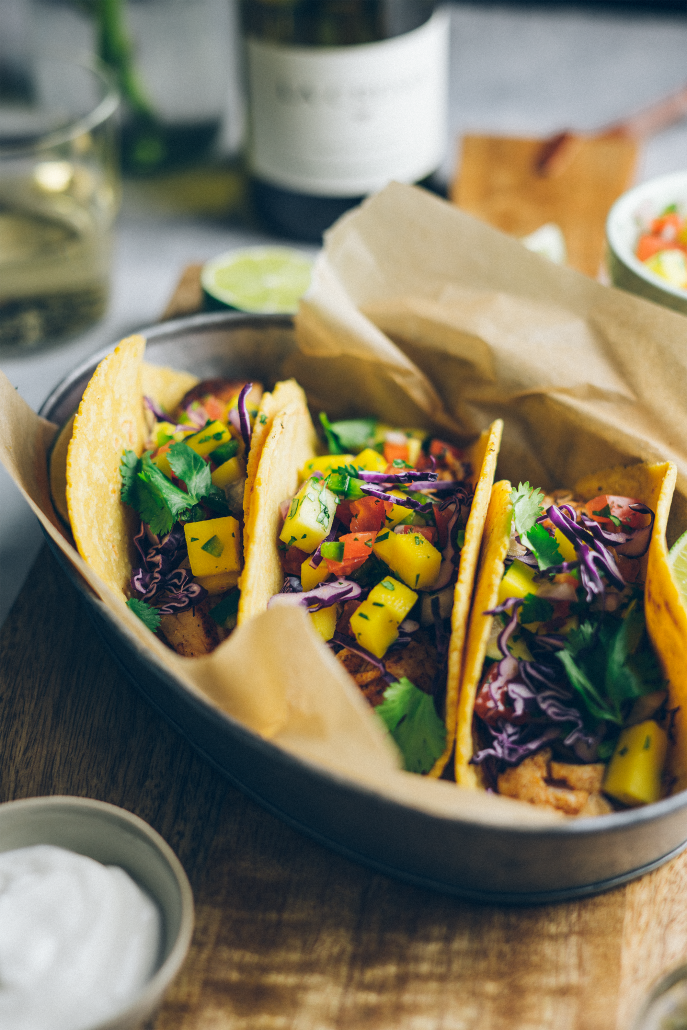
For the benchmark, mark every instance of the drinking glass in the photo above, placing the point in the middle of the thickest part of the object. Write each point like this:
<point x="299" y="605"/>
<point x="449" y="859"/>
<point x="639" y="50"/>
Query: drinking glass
<point x="59" y="197"/>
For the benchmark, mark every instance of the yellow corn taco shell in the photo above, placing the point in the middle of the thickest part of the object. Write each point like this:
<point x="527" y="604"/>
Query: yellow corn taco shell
<point x="84" y="463"/>
<point x="288" y="440"/>
<point x="482" y="456"/>
<point x="666" y="619"/>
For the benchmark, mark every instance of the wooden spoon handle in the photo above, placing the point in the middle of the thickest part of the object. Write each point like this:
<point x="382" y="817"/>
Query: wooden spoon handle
<point x="558" y="151"/>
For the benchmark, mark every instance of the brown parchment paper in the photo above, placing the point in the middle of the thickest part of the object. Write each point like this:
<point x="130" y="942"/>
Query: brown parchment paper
<point x="424" y="316"/>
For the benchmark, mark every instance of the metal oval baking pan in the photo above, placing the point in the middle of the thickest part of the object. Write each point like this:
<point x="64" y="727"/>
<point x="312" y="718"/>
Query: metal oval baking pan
<point x="516" y="865"/>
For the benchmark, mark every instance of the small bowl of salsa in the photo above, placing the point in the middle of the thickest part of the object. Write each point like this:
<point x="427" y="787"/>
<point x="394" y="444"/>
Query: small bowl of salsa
<point x="646" y="234"/>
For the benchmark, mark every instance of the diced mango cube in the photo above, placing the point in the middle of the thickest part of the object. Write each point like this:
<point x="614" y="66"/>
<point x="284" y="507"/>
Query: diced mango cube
<point x="205" y="441"/>
<point x="310" y="516"/>
<point x="214" y="546"/>
<point x="568" y="552"/>
<point x="370" y="460"/>
<point x="634" y="773"/>
<point x="325" y="621"/>
<point x="220" y="583"/>
<point x="398" y="512"/>
<point x="410" y="556"/>
<point x="229" y="472"/>
<point x="670" y="265"/>
<point x="324" y="464"/>
<point x="396" y="597"/>
<point x="310" y="577"/>
<point x="517" y="581"/>
<point x="161" y="459"/>
<point x="374" y="628"/>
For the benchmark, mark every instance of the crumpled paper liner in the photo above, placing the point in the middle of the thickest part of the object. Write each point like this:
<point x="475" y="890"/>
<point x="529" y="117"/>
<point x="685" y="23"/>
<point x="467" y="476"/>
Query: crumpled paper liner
<point x="585" y="376"/>
<point x="423" y="316"/>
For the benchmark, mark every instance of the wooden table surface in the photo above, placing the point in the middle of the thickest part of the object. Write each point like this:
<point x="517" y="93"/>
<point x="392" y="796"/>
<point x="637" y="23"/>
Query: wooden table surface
<point x="290" y="936"/>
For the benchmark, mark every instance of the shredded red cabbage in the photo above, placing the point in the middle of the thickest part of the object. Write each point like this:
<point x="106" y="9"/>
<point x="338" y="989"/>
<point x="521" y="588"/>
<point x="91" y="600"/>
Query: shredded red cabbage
<point x="244" y="417"/>
<point x="408" y="476"/>
<point x="181" y="600"/>
<point x="404" y="502"/>
<point x="594" y="557"/>
<point x="341" y="640"/>
<point x="322" y="596"/>
<point x="450" y="554"/>
<point x="159" y="575"/>
<point x="632" y="543"/>
<point x="157" y="411"/>
<point x="524" y="694"/>
<point x="159" y="561"/>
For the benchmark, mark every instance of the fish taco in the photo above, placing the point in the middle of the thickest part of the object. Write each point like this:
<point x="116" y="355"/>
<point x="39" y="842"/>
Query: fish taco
<point x="152" y="474"/>
<point x="570" y="697"/>
<point x="379" y="541"/>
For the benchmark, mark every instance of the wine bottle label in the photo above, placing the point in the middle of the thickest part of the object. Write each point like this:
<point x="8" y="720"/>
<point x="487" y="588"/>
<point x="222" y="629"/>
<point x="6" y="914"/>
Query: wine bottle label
<point x="344" y="121"/>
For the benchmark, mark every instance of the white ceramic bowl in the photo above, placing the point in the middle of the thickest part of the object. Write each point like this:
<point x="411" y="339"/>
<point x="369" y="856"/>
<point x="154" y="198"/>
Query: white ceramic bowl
<point x="114" y="836"/>
<point x="623" y="226"/>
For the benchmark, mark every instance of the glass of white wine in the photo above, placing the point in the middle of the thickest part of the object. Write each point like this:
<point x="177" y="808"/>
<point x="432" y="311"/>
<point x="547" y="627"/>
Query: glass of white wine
<point x="59" y="197"/>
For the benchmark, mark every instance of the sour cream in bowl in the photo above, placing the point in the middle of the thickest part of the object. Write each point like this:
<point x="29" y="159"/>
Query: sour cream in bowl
<point x="96" y="916"/>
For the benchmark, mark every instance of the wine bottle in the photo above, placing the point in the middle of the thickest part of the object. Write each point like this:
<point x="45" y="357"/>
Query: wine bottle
<point x="344" y="96"/>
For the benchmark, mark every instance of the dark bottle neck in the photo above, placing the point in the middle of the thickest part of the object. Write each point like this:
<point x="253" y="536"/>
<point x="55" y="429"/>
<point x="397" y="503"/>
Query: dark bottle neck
<point x="333" y="22"/>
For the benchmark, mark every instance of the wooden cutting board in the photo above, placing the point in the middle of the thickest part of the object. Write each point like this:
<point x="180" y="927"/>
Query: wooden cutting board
<point x="497" y="181"/>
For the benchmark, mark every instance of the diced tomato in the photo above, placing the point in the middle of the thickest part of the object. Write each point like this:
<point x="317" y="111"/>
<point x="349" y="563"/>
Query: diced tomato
<point x="368" y="514"/>
<point x="619" y="508"/>
<point x="650" y="245"/>
<point x="395" y="452"/>
<point x="428" y="532"/>
<point x="292" y="559"/>
<point x="667" y="225"/>
<point x="493" y="704"/>
<point x="357" y="549"/>
<point x="215" y="408"/>
<point x="344" y="513"/>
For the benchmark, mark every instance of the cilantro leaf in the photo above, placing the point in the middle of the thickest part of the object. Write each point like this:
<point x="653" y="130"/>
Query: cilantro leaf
<point x="544" y="546"/>
<point x="228" y="606"/>
<point x="411" y="719"/>
<point x="349" y="436"/>
<point x="632" y="668"/>
<point x="129" y="466"/>
<point x="144" y="488"/>
<point x="536" y="609"/>
<point x="333" y="444"/>
<point x="527" y="507"/>
<point x="176" y="500"/>
<point x="191" y="469"/>
<point x="147" y="614"/>
<point x="580" y="681"/>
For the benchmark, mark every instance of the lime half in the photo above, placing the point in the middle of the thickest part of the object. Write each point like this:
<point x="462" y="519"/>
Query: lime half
<point x="677" y="559"/>
<point x="268" y="280"/>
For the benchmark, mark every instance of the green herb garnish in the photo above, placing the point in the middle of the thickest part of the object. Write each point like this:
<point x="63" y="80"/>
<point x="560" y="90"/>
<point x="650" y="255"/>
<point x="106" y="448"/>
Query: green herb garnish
<point x="411" y="719"/>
